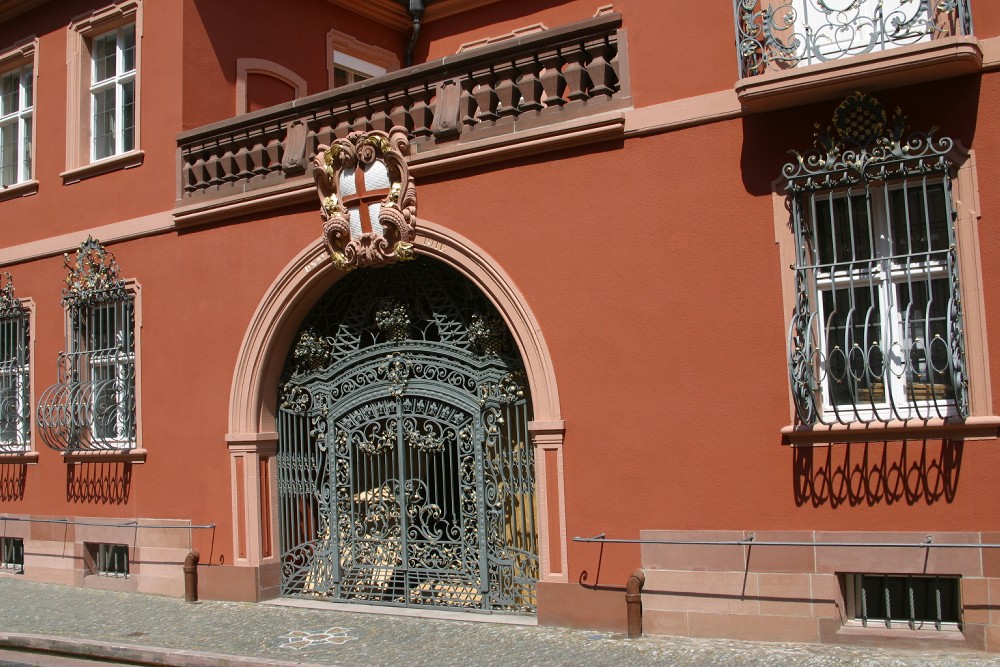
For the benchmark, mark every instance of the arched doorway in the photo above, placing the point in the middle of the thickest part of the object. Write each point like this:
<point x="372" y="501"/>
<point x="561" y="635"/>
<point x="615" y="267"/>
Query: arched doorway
<point x="405" y="463"/>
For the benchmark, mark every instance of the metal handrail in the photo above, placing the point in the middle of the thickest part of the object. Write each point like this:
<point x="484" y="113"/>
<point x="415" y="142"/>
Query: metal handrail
<point x="127" y="524"/>
<point x="751" y="541"/>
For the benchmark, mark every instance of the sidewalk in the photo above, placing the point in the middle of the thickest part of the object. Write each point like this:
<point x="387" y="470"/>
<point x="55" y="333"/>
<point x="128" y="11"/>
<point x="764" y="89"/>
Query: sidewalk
<point x="167" y="631"/>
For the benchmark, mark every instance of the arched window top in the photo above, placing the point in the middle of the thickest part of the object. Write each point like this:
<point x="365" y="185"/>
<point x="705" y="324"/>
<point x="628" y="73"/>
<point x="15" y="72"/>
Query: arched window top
<point x="247" y="66"/>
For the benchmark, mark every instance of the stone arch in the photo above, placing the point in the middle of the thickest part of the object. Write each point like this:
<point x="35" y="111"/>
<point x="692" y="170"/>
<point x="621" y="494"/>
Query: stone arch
<point x="252" y="437"/>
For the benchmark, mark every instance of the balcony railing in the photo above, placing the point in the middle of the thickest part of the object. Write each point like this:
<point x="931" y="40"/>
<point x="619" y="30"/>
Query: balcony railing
<point x="776" y="35"/>
<point x="518" y="84"/>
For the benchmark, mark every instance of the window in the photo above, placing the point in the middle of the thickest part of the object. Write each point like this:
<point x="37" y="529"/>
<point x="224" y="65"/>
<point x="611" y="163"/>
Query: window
<point x="12" y="554"/>
<point x="903" y="601"/>
<point x="103" y="96"/>
<point x="112" y="93"/>
<point x="15" y="393"/>
<point x="93" y="406"/>
<point x="877" y="331"/>
<point x="107" y="560"/>
<point x="350" y="60"/>
<point x="102" y="342"/>
<point x="347" y="69"/>
<point x="16" y="110"/>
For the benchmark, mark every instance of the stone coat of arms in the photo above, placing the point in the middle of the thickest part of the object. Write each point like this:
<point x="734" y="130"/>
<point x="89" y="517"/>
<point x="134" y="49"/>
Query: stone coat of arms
<point x="368" y="200"/>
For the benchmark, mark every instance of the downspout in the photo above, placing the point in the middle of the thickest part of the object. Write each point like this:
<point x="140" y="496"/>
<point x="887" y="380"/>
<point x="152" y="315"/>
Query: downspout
<point x="191" y="576"/>
<point x="633" y="603"/>
<point x="417" y="12"/>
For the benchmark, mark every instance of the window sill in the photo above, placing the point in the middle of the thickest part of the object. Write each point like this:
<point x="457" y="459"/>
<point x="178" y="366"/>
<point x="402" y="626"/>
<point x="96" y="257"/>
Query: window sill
<point x="906" y="65"/>
<point x="30" y="458"/>
<point x="973" y="428"/>
<point x="25" y="189"/>
<point x="107" y="165"/>
<point x="105" y="455"/>
<point x="856" y="629"/>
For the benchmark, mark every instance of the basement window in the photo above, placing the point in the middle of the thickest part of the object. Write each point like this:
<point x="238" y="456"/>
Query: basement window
<point x="916" y="602"/>
<point x="108" y="560"/>
<point x="12" y="554"/>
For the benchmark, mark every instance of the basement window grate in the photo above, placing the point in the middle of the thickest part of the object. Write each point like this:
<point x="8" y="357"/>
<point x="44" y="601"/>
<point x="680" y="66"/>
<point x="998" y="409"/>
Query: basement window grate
<point x="109" y="560"/>
<point x="896" y="601"/>
<point x="12" y="554"/>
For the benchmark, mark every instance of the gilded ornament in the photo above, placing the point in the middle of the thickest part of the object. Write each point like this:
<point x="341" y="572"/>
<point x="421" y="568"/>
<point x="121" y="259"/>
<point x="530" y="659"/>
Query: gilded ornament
<point x="354" y="235"/>
<point x="92" y="273"/>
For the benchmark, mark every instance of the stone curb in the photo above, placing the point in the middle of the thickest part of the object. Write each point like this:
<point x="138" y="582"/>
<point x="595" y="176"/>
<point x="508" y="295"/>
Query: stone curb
<point x="135" y="655"/>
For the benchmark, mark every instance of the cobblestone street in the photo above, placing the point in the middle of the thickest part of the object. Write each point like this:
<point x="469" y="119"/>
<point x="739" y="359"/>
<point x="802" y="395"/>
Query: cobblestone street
<point x="271" y="634"/>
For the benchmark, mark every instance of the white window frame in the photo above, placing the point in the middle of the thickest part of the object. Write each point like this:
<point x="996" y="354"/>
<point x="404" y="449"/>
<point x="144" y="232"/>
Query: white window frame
<point x="360" y="60"/>
<point x="121" y="357"/>
<point x="21" y="119"/>
<point x="355" y="68"/>
<point x="886" y="290"/>
<point x="81" y="32"/>
<point x="117" y="82"/>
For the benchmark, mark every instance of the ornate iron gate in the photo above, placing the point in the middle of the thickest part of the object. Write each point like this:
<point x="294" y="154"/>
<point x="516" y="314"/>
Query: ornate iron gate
<point x="405" y="470"/>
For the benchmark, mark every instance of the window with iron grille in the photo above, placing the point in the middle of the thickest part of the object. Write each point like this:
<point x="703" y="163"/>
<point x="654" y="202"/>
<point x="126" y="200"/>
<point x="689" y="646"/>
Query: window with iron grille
<point x="12" y="554"/>
<point x="108" y="560"/>
<point x="904" y="601"/>
<point x="876" y="332"/>
<point x="15" y="390"/>
<point x="93" y="406"/>
<point x="16" y="114"/>
<point x="112" y="92"/>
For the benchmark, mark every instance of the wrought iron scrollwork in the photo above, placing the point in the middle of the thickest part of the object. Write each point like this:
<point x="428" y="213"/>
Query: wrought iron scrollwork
<point x="15" y="393"/>
<point x="877" y="328"/>
<point x="774" y="35"/>
<point x="92" y="405"/>
<point x="423" y="491"/>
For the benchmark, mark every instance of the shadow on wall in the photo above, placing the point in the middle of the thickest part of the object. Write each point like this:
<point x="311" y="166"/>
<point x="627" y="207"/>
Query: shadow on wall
<point x="877" y="473"/>
<point x="107" y="483"/>
<point x="12" y="481"/>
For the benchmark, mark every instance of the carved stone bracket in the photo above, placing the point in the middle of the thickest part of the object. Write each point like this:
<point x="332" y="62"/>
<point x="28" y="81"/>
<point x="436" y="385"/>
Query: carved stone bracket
<point x="367" y="199"/>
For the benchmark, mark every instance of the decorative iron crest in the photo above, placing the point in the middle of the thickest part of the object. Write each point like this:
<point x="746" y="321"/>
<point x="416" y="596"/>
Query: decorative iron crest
<point x="10" y="305"/>
<point x="865" y="145"/>
<point x="367" y="199"/>
<point x="93" y="274"/>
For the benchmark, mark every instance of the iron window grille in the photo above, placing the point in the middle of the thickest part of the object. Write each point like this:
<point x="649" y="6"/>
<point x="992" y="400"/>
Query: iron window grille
<point x="12" y="554"/>
<point x="109" y="560"/>
<point x="15" y="390"/>
<point x="93" y="406"/>
<point x="775" y="35"/>
<point x="112" y="92"/>
<point x="16" y="113"/>
<point x="911" y="601"/>
<point x="876" y="331"/>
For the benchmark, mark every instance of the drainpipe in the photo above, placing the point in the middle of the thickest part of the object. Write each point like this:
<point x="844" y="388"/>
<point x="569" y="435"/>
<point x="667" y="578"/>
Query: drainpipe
<point x="633" y="603"/>
<point x="417" y="12"/>
<point x="191" y="576"/>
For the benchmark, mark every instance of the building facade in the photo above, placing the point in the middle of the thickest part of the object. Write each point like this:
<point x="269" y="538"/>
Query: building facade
<point x="701" y="289"/>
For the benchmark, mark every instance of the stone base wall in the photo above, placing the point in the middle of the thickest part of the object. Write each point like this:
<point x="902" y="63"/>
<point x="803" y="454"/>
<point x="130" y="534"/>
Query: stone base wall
<point x="56" y="551"/>
<point x="797" y="593"/>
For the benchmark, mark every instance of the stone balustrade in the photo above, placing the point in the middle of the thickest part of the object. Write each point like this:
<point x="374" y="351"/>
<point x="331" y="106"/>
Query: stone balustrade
<point x="518" y="84"/>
